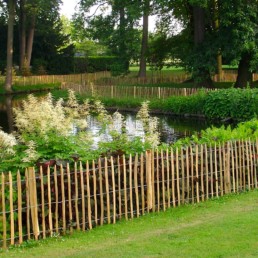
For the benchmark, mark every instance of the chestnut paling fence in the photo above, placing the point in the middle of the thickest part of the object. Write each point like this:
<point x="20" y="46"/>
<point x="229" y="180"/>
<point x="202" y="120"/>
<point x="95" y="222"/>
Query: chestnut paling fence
<point x="105" y="78"/>
<point x="131" y="91"/>
<point x="56" y="200"/>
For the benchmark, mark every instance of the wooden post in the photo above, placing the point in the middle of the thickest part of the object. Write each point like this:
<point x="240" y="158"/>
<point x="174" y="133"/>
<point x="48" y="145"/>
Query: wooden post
<point x="183" y="174"/>
<point x="56" y="202"/>
<point x="49" y="202"/>
<point x="19" y="189"/>
<point x="131" y="186"/>
<point x="42" y="202"/>
<point x="197" y="173"/>
<point x="163" y="181"/>
<point x="168" y="179"/>
<point x="221" y="171"/>
<point x="173" y="178"/>
<point x="27" y="204"/>
<point x="63" y="199"/>
<point x="113" y="189"/>
<point x="125" y="188"/>
<point x="88" y="194"/>
<point x="4" y="212"/>
<point x="177" y="178"/>
<point x="95" y="192"/>
<point x="216" y="171"/>
<point x="187" y="175"/>
<point x="136" y="184"/>
<point x="157" y="172"/>
<point x="202" y="184"/>
<point x="119" y="187"/>
<point x="33" y="201"/>
<point x="101" y="194"/>
<point x="107" y="191"/>
<point x="149" y="180"/>
<point x="142" y="185"/>
<point x="69" y="199"/>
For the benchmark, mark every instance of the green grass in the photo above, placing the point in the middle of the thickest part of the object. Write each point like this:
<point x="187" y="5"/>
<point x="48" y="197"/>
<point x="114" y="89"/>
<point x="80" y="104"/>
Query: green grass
<point x="31" y="88"/>
<point x="224" y="227"/>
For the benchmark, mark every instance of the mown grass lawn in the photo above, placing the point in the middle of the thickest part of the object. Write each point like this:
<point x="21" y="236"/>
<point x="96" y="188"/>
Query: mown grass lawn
<point x="224" y="227"/>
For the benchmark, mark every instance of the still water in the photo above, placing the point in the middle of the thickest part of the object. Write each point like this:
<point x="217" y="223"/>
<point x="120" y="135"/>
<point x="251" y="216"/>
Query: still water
<point x="171" y="128"/>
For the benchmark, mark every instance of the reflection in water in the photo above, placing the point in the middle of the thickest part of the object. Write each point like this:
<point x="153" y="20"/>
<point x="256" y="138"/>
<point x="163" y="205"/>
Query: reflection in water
<point x="170" y="128"/>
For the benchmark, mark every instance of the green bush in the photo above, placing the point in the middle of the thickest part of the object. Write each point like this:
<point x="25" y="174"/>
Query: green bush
<point x="100" y="63"/>
<point x="239" y="104"/>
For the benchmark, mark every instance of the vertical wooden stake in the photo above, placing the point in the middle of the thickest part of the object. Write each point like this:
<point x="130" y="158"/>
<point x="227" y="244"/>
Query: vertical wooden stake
<point x="131" y="185"/>
<point x="95" y="192"/>
<point x="101" y="194"/>
<point x="88" y="194"/>
<point x="142" y="185"/>
<point x="125" y="188"/>
<point x="177" y="178"/>
<point x="173" y="178"/>
<point x="107" y="191"/>
<point x="42" y="202"/>
<point x="49" y="202"/>
<point x="157" y="172"/>
<point x="202" y="184"/>
<point x="4" y="212"/>
<point x="136" y="184"/>
<point x="149" y="180"/>
<point x="63" y="199"/>
<point x="113" y="189"/>
<point x="33" y="202"/>
<point x="168" y="179"/>
<point x="197" y="173"/>
<point x="56" y="202"/>
<point x="163" y="181"/>
<point x="19" y="189"/>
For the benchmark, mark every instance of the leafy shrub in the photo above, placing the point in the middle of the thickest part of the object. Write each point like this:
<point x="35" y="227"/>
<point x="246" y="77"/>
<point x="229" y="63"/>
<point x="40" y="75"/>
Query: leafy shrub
<point x="239" y="104"/>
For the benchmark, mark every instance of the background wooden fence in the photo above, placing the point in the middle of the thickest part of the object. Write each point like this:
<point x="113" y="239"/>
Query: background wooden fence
<point x="62" y="199"/>
<point x="130" y="91"/>
<point x="105" y="78"/>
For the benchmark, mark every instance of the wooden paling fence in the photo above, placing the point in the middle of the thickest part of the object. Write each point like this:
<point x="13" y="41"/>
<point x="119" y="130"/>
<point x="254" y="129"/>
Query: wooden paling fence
<point x="57" y="200"/>
<point x="105" y="78"/>
<point x="131" y="91"/>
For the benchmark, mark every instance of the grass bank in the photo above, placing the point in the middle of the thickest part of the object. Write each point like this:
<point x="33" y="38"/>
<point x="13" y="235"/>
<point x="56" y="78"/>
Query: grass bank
<point x="223" y="227"/>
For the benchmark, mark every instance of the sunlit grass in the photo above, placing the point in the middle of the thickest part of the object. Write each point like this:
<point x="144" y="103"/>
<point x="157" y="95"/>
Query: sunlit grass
<point x="223" y="227"/>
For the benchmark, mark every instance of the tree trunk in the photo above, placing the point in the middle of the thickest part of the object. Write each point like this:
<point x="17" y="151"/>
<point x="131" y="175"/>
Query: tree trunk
<point x="203" y="77"/>
<point x="216" y="27"/>
<point x="9" y="58"/>
<point x="144" y="45"/>
<point x="22" y="33"/>
<point x="244" y="74"/>
<point x="30" y="40"/>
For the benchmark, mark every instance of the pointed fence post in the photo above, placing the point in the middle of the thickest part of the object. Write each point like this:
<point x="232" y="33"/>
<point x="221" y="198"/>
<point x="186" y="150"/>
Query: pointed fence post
<point x="32" y="188"/>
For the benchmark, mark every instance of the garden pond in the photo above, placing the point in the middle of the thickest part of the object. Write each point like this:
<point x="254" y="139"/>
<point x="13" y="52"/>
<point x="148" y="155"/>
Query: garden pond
<point x="170" y="128"/>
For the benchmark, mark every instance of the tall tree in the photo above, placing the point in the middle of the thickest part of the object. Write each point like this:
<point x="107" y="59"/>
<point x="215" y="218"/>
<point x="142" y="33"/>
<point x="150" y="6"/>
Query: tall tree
<point x="238" y="32"/>
<point x="9" y="57"/>
<point x="144" y="44"/>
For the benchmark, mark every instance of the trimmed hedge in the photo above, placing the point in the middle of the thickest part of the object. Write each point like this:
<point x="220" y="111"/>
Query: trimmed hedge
<point x="93" y="64"/>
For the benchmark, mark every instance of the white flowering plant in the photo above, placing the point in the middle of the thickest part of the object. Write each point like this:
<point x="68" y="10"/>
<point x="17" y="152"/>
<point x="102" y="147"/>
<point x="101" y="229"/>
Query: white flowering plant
<point x="48" y="129"/>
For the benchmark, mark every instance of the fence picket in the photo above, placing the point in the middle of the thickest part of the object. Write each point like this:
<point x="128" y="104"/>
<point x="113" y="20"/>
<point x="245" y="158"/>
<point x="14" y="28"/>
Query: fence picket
<point x="88" y="194"/>
<point x="136" y="186"/>
<point x="19" y="192"/>
<point x="178" y="179"/>
<point x="56" y="201"/>
<point x="163" y="181"/>
<point x="202" y="184"/>
<point x="27" y="204"/>
<point x="101" y="194"/>
<point x="4" y="212"/>
<point x="113" y="189"/>
<point x="248" y="165"/>
<point x="142" y="185"/>
<point x="119" y="188"/>
<point x="125" y="188"/>
<point x="42" y="202"/>
<point x="49" y="202"/>
<point x="216" y="171"/>
<point x="157" y="178"/>
<point x="182" y="175"/>
<point x="130" y="185"/>
<point x="63" y="200"/>
<point x="76" y="186"/>
<point x="107" y="191"/>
